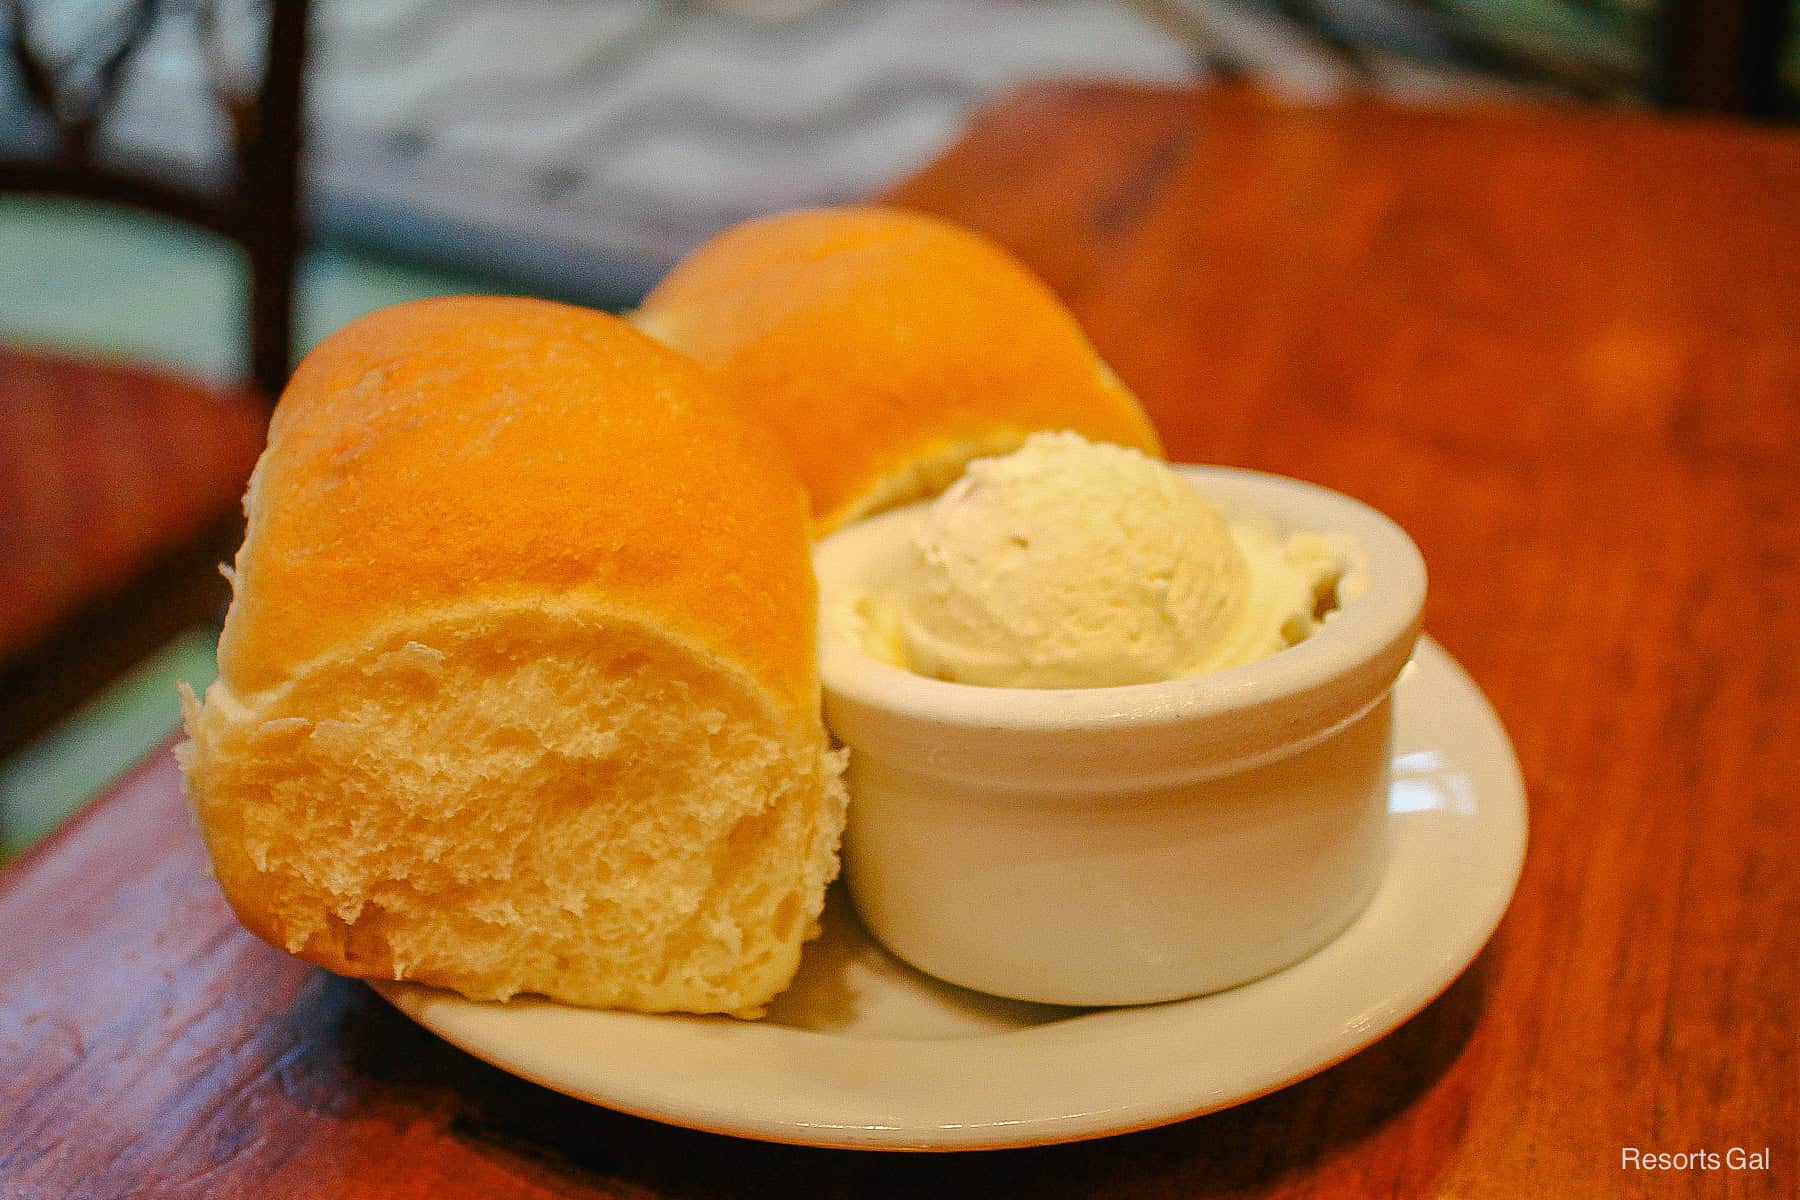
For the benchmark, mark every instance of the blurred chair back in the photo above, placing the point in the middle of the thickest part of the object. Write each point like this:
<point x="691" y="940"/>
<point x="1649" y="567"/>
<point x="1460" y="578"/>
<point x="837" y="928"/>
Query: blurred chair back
<point x="258" y="206"/>
<point x="1723" y="56"/>
<point x="121" y="485"/>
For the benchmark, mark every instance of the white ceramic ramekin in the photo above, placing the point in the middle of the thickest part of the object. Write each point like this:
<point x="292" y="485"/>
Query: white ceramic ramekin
<point x="1123" y="845"/>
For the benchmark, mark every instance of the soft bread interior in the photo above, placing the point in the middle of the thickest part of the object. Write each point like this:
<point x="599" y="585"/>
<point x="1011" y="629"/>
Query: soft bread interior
<point x="517" y="798"/>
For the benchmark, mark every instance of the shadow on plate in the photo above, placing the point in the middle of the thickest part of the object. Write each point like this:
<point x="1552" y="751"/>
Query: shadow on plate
<point x="848" y="982"/>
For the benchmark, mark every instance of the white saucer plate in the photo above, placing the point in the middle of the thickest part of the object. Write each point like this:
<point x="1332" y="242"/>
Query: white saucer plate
<point x="864" y="1052"/>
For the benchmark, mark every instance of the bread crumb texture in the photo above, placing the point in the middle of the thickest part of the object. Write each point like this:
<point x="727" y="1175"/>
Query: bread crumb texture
<point x="519" y="801"/>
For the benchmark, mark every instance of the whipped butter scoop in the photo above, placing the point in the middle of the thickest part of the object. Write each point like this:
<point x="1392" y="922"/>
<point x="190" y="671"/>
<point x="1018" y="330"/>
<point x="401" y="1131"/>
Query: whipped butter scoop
<point x="1070" y="564"/>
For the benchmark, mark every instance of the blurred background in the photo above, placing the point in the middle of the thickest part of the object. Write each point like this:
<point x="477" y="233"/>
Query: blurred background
<point x="322" y="163"/>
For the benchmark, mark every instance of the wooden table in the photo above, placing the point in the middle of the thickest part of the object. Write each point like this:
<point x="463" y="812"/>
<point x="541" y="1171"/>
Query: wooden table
<point x="1560" y="348"/>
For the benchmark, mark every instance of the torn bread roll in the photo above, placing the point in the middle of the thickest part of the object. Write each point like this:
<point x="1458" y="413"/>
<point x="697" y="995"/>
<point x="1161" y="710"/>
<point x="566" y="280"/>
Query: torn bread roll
<point x="518" y="691"/>
<point x="886" y="349"/>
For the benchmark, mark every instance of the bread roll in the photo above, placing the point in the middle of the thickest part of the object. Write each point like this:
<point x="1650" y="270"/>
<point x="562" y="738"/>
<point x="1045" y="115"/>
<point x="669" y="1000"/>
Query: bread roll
<point x="518" y="691"/>
<point x="886" y="349"/>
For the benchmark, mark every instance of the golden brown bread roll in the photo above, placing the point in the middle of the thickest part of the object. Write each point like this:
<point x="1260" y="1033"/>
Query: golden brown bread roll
<point x="518" y="692"/>
<point x="886" y="349"/>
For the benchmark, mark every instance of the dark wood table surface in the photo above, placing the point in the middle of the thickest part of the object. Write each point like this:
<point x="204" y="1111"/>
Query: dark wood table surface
<point x="1561" y="348"/>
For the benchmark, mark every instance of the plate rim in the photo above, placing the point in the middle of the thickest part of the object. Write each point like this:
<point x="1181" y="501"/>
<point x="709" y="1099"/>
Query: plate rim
<point x="467" y="1024"/>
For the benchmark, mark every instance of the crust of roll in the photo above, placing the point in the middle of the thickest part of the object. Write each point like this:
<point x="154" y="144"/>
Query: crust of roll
<point x="885" y="349"/>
